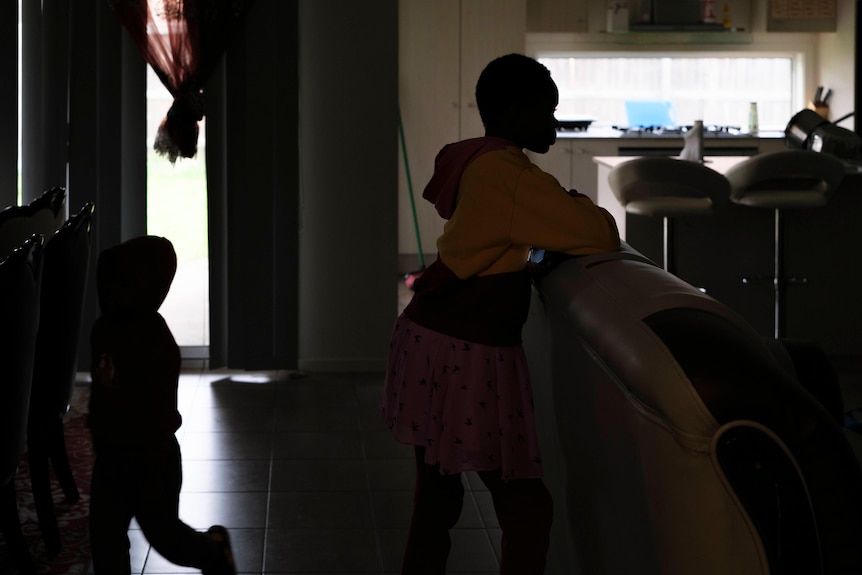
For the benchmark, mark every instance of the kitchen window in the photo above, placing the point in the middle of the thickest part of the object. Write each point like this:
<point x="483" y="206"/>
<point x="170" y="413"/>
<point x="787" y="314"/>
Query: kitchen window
<point x="715" y="89"/>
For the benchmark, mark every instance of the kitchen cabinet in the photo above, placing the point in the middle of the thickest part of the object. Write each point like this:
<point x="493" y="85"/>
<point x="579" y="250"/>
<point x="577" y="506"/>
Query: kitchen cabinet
<point x="443" y="47"/>
<point x="557" y="161"/>
<point x="591" y="16"/>
<point x="766" y="145"/>
<point x="489" y="29"/>
<point x="556" y="15"/>
<point x="571" y="162"/>
<point x="736" y="242"/>
<point x="428" y="94"/>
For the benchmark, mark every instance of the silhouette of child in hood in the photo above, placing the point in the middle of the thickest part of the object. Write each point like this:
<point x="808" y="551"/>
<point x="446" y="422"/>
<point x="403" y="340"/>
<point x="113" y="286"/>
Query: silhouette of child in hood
<point x="135" y="369"/>
<point x="134" y="396"/>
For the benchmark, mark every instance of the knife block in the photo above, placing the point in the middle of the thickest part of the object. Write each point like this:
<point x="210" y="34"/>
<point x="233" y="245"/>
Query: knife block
<point x="820" y="108"/>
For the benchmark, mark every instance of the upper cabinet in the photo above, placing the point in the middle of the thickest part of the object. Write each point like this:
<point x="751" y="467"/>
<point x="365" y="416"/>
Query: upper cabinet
<point x="443" y="47"/>
<point x="428" y="70"/>
<point x="489" y="29"/>
<point x="556" y="15"/>
<point x="632" y="21"/>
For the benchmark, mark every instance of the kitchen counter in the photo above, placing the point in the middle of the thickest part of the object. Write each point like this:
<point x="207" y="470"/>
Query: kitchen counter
<point x="570" y="160"/>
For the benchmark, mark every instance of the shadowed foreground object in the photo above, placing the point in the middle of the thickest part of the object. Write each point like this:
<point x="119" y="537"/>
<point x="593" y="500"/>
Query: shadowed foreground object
<point x="66" y="265"/>
<point x="687" y="442"/>
<point x="20" y="280"/>
<point x="72" y="519"/>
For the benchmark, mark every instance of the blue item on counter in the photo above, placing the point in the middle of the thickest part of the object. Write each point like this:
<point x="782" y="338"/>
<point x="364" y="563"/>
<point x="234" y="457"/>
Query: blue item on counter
<point x="647" y="113"/>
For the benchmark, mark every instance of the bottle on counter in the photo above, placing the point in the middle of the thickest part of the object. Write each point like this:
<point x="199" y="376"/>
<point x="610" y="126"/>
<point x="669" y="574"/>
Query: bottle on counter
<point x="693" y="146"/>
<point x="753" y="124"/>
<point x="726" y="19"/>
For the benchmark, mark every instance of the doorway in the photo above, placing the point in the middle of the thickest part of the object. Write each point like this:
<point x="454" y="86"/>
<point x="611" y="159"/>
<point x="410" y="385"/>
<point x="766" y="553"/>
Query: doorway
<point x="177" y="210"/>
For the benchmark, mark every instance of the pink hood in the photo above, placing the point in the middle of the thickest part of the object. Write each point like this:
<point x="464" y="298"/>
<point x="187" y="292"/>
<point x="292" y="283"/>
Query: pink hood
<point x="450" y="163"/>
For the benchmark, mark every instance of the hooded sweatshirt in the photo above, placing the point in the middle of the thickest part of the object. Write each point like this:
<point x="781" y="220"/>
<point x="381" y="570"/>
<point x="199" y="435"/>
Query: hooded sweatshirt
<point x="498" y="205"/>
<point x="138" y="407"/>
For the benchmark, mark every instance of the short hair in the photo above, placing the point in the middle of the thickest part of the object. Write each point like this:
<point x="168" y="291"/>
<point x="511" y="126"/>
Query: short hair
<point x="510" y="79"/>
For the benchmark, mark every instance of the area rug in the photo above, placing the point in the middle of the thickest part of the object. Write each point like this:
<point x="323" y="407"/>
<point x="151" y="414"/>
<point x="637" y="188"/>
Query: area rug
<point x="74" y="557"/>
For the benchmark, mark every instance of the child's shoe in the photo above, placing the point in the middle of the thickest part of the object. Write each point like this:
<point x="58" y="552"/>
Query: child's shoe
<point x="227" y="566"/>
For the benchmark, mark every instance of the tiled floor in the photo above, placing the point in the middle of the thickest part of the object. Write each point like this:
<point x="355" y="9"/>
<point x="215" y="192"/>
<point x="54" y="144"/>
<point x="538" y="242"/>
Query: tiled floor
<point x="306" y="477"/>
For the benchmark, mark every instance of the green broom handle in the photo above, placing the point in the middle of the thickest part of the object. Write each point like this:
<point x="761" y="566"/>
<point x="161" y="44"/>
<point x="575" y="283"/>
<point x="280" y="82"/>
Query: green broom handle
<point x="410" y="191"/>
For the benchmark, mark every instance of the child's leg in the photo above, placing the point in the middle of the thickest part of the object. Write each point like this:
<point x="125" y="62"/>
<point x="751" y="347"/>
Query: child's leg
<point x="525" y="510"/>
<point x="437" y="503"/>
<point x="110" y="515"/>
<point x="157" y="512"/>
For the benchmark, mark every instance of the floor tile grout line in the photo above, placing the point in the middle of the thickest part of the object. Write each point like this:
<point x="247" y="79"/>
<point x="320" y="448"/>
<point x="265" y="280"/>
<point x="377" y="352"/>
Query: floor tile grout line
<point x="368" y="491"/>
<point x="180" y="437"/>
<point x="269" y="485"/>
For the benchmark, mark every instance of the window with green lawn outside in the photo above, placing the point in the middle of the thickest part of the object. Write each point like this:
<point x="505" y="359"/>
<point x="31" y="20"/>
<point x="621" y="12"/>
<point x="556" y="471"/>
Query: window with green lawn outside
<point x="177" y="210"/>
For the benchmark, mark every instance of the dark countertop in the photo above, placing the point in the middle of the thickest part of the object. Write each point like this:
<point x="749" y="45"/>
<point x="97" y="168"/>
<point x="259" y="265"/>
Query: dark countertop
<point x="609" y="133"/>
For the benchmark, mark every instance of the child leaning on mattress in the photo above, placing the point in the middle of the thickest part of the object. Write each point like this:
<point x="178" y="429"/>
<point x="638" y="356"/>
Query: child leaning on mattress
<point x="457" y="386"/>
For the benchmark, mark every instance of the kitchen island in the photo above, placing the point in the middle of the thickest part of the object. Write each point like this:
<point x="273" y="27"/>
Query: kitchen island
<point x="715" y="252"/>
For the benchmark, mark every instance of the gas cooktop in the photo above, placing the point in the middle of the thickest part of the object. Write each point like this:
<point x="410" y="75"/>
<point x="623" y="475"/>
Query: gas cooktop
<point x="709" y="131"/>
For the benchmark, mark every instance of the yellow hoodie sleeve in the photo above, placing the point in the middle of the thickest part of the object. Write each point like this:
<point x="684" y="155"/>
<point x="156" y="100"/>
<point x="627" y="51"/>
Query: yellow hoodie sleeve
<point x="505" y="205"/>
<point x="545" y="216"/>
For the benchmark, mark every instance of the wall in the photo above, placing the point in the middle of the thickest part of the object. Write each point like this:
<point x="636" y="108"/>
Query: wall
<point x="835" y="63"/>
<point x="252" y="162"/>
<point x="348" y="182"/>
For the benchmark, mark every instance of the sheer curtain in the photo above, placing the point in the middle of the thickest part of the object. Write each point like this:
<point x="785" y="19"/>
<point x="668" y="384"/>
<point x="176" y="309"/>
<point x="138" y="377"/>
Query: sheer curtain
<point x="183" y="41"/>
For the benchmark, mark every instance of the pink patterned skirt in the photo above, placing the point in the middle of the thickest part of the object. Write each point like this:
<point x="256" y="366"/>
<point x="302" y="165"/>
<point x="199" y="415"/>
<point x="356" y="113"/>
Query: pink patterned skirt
<point x="470" y="405"/>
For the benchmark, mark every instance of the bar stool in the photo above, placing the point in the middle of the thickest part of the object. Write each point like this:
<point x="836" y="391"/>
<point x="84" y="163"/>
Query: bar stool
<point x="667" y="187"/>
<point x="789" y="179"/>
